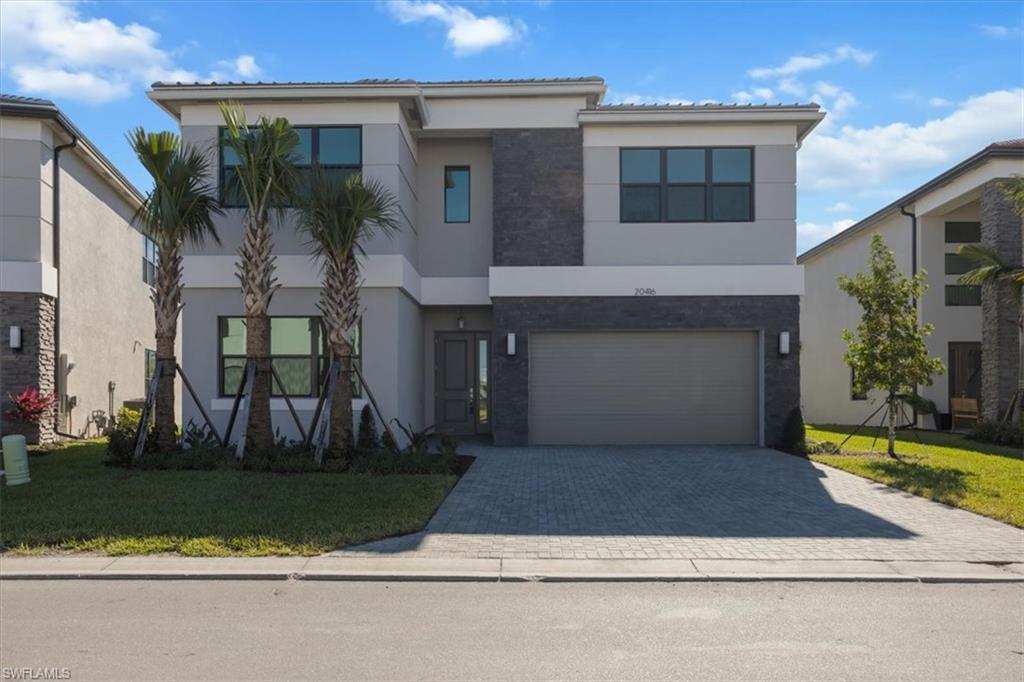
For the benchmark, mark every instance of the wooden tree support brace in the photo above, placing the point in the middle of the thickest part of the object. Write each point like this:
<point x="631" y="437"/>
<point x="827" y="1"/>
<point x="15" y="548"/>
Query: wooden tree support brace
<point x="147" y="409"/>
<point x="288" y="402"/>
<point x="234" y="406"/>
<point x="373" y="401"/>
<point x="195" y="399"/>
<point x="249" y="379"/>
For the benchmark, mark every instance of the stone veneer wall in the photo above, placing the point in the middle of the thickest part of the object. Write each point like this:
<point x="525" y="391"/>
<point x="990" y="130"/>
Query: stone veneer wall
<point x="510" y="375"/>
<point x="33" y="364"/>
<point x="538" y="196"/>
<point x="1000" y="357"/>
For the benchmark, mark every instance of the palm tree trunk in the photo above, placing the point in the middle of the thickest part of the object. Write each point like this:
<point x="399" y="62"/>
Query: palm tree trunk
<point x="339" y="304"/>
<point x="256" y="275"/>
<point x="167" y="305"/>
<point x="341" y="406"/>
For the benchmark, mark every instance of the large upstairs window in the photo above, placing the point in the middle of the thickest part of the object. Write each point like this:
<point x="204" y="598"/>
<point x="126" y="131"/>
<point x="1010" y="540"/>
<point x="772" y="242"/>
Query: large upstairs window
<point x="336" y="149"/>
<point x="686" y="184"/>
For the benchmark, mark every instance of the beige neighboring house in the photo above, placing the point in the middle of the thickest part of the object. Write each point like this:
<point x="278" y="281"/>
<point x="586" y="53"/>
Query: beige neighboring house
<point x="73" y="273"/>
<point x="975" y="328"/>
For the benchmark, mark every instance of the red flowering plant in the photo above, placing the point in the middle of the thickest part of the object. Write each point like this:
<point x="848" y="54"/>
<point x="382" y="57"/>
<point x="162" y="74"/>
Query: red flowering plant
<point x="30" y="407"/>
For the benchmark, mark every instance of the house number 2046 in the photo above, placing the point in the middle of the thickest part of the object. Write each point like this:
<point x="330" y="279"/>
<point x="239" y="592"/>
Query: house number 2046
<point x="644" y="291"/>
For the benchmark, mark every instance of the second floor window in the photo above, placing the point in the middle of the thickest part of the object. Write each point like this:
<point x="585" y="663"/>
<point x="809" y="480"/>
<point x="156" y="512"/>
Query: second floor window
<point x="955" y="264"/>
<point x="149" y="261"/>
<point x="456" y="194"/>
<point x="686" y="184"/>
<point x="337" y="150"/>
<point x="298" y="353"/>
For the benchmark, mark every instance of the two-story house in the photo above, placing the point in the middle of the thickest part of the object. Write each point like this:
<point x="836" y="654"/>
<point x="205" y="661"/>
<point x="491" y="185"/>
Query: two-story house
<point x="975" y="328"/>
<point x="74" y="274"/>
<point x="568" y="272"/>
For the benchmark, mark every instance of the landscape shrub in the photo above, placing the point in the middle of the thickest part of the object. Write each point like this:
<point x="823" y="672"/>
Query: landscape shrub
<point x="121" y="439"/>
<point x="368" y="438"/>
<point x="998" y="433"/>
<point x="794" y="437"/>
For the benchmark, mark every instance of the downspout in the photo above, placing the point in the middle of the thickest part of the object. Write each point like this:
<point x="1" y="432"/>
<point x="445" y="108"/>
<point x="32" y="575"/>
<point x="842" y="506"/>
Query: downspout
<point x="56" y="264"/>
<point x="913" y="271"/>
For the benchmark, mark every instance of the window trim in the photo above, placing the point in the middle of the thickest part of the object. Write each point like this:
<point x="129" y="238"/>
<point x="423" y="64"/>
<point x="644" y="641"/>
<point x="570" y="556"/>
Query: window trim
<point x="317" y="340"/>
<point x="709" y="184"/>
<point x="469" y="195"/>
<point x="314" y="157"/>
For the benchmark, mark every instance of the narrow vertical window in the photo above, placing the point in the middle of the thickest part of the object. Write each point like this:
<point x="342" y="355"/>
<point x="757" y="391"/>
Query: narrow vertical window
<point x="456" y="194"/>
<point x="149" y="261"/>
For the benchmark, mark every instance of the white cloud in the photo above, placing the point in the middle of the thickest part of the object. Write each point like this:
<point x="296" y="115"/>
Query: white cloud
<point x="839" y="207"/>
<point x="467" y="32"/>
<point x="792" y="86"/>
<point x="82" y="85"/>
<point x="939" y="102"/>
<point x="813" y="233"/>
<point x="755" y="94"/>
<point x="49" y="48"/>
<point x="613" y="97"/>
<point x="246" y="66"/>
<point x="833" y="98"/>
<point x="859" y="159"/>
<point x="800" y="63"/>
<point x="997" y="31"/>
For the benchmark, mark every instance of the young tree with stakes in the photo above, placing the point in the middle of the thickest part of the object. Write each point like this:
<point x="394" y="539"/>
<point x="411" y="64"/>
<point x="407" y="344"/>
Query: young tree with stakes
<point x="339" y="215"/>
<point x="887" y="351"/>
<point x="179" y="209"/>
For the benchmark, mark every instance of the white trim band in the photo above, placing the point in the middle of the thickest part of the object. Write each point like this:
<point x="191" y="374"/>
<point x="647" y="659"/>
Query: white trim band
<point x="30" y="277"/>
<point x="648" y="280"/>
<point x="379" y="271"/>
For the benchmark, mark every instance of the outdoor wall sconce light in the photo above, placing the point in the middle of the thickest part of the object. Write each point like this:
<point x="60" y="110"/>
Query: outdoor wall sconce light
<point x="460" y="321"/>
<point x="783" y="343"/>
<point x="510" y="343"/>
<point x="14" y="338"/>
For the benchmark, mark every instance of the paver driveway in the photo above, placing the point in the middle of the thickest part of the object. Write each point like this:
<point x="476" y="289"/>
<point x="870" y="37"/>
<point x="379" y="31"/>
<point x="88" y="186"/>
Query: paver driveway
<point x="689" y="502"/>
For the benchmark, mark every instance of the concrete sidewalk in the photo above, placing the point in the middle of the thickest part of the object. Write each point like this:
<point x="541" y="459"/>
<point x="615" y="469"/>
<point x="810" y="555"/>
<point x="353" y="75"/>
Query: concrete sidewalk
<point x="499" y="570"/>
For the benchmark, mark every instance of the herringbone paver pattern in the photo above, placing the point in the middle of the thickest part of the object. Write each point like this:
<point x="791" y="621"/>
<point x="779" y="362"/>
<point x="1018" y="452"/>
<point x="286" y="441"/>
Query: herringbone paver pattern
<point x="689" y="502"/>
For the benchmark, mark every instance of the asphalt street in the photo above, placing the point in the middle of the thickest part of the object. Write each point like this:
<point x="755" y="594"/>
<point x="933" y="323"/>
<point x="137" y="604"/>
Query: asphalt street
<point x="275" y="630"/>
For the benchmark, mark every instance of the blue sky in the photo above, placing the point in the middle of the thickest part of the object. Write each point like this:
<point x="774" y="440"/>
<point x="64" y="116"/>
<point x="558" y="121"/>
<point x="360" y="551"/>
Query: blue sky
<point x="911" y="88"/>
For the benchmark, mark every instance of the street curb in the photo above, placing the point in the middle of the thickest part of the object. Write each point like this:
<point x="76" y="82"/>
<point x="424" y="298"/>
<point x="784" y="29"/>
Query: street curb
<point x="359" y="569"/>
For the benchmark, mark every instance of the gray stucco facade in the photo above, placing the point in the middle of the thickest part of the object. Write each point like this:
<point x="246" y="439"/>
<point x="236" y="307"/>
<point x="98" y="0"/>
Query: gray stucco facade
<point x="767" y="314"/>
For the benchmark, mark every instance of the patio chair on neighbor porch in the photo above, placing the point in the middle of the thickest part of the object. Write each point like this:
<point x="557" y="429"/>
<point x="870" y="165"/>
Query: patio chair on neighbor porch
<point x="963" y="409"/>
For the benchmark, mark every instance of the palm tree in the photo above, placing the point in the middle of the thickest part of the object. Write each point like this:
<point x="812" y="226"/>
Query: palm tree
<point x="265" y="180"/>
<point x="178" y="210"/>
<point x="338" y="215"/>
<point x="991" y="270"/>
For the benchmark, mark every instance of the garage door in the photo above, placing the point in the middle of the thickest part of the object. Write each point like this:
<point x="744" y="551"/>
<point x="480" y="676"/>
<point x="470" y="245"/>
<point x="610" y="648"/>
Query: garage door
<point x="659" y="388"/>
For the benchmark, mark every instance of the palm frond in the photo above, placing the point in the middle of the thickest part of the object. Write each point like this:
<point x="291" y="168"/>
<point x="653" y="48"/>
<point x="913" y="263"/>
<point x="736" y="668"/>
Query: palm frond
<point x="181" y="205"/>
<point x="338" y="213"/>
<point x="265" y="177"/>
<point x="988" y="266"/>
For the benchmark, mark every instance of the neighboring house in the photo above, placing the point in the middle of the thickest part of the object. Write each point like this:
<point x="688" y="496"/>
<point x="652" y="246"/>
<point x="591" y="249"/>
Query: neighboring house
<point x="568" y="273"/>
<point x="925" y="229"/>
<point x="73" y="272"/>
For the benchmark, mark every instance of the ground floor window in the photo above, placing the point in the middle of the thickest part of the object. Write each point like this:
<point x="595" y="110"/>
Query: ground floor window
<point x="298" y="353"/>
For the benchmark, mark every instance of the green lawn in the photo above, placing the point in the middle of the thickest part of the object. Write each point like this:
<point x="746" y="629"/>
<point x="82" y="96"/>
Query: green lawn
<point x="76" y="503"/>
<point x="985" y="479"/>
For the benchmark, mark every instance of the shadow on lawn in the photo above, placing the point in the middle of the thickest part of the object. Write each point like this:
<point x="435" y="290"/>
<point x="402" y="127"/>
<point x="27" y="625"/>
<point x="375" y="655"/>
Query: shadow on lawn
<point x="938" y="483"/>
<point x="944" y="439"/>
